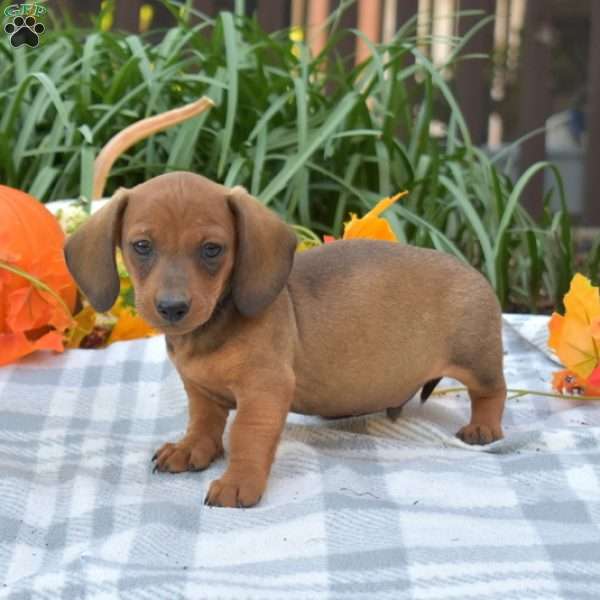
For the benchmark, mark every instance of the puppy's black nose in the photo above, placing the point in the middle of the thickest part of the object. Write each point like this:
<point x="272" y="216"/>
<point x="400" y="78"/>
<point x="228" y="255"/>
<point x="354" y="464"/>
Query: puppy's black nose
<point x="172" y="310"/>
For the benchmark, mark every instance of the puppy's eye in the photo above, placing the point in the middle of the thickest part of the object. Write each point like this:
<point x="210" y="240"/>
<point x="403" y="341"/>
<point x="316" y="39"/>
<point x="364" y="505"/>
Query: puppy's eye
<point x="142" y="247"/>
<point x="211" y="250"/>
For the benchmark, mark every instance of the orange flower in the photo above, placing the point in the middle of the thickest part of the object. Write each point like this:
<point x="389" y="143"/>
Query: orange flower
<point x="567" y="382"/>
<point x="130" y="326"/>
<point x="571" y="335"/>
<point x="96" y="330"/>
<point x="37" y="293"/>
<point x="371" y="226"/>
<point x="575" y="337"/>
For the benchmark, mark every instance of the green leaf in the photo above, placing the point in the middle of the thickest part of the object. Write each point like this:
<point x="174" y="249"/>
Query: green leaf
<point x="231" y="53"/>
<point x="42" y="182"/>
<point x="294" y="163"/>
<point x="87" y="172"/>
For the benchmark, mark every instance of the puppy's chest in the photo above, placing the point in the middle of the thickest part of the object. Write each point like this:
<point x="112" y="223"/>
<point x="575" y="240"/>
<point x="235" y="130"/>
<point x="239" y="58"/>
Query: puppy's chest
<point x="209" y="373"/>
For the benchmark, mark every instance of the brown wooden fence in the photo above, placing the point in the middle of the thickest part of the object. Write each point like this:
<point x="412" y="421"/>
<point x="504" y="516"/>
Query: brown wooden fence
<point x="525" y="105"/>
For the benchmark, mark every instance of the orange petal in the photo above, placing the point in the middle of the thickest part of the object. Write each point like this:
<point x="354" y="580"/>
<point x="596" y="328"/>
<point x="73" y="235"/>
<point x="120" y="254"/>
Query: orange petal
<point x="37" y="293"/>
<point x="577" y="349"/>
<point x="595" y="328"/>
<point x="582" y="302"/>
<point x="558" y="379"/>
<point x="16" y="345"/>
<point x="555" y="330"/>
<point x="567" y="382"/>
<point x="371" y="226"/>
<point x="594" y="379"/>
<point x="130" y="327"/>
<point x="27" y="309"/>
<point x="385" y="204"/>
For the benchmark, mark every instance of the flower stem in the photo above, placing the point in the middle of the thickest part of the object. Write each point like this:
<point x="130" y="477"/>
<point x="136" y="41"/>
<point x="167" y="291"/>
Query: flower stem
<point x="518" y="393"/>
<point x="36" y="283"/>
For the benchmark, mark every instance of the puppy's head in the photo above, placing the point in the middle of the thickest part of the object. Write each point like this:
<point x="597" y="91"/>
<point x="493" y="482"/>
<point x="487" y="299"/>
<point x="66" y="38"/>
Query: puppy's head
<point x="187" y="243"/>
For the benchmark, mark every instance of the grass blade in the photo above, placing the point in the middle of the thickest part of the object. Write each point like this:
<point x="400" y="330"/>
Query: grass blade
<point x="231" y="53"/>
<point x="294" y="163"/>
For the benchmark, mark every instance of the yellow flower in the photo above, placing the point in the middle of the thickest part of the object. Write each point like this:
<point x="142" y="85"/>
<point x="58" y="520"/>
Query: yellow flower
<point x="83" y="324"/>
<point x="304" y="245"/>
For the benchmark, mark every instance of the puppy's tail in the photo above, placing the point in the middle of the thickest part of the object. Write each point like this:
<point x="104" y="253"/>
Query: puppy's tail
<point x="428" y="388"/>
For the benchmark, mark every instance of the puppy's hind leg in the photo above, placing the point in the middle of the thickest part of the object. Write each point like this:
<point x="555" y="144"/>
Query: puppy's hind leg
<point x="484" y="379"/>
<point x="487" y="407"/>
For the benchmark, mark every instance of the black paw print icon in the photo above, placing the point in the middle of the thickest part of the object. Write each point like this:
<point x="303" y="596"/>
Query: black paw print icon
<point x="24" y="32"/>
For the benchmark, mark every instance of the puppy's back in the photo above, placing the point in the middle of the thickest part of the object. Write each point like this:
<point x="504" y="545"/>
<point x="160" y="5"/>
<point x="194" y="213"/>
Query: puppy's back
<point x="378" y="319"/>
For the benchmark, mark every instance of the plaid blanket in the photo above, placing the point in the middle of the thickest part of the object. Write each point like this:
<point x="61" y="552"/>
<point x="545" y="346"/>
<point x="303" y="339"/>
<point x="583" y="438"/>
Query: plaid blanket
<point x="357" y="508"/>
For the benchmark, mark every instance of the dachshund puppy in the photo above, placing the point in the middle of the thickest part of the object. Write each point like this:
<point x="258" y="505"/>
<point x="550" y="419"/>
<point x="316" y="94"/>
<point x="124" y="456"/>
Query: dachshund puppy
<point x="351" y="327"/>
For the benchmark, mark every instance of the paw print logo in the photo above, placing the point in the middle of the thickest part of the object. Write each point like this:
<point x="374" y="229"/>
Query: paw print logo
<point x="24" y="32"/>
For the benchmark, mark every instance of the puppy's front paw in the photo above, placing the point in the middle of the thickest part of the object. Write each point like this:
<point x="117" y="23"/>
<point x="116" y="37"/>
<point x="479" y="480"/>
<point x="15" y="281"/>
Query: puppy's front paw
<point x="193" y="454"/>
<point x="479" y="435"/>
<point x="235" y="491"/>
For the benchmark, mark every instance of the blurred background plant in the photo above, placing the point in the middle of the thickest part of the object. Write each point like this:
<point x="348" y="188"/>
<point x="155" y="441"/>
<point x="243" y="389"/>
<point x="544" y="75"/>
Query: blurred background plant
<point x="311" y="134"/>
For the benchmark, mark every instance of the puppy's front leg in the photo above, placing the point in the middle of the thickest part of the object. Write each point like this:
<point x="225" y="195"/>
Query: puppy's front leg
<point x="255" y="433"/>
<point x="203" y="440"/>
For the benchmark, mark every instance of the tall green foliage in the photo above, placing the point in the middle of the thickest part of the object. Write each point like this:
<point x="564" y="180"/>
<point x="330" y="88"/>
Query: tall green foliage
<point x="314" y="137"/>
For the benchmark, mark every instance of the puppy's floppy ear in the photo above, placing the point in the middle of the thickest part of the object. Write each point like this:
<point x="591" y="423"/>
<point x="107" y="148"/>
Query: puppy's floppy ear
<point x="90" y="253"/>
<point x="264" y="254"/>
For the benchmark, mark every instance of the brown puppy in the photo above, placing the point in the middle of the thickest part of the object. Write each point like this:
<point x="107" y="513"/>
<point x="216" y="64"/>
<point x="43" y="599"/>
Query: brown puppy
<point x="348" y="328"/>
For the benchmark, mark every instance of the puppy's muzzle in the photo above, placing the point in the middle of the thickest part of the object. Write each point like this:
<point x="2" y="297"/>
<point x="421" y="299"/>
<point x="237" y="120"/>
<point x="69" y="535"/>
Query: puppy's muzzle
<point x="172" y="310"/>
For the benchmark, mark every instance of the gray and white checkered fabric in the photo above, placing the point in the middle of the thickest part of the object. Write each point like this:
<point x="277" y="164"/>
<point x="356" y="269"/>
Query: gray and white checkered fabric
<point x="359" y="508"/>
